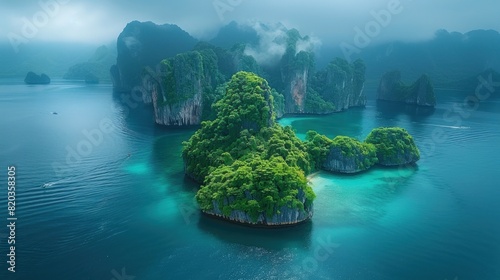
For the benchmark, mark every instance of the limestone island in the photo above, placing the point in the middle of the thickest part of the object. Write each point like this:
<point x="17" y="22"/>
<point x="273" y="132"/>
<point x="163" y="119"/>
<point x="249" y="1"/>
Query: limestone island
<point x="34" y="79"/>
<point x="180" y="77"/>
<point x="394" y="146"/>
<point x="348" y="155"/>
<point x="253" y="171"/>
<point x="420" y="93"/>
<point x="385" y="146"/>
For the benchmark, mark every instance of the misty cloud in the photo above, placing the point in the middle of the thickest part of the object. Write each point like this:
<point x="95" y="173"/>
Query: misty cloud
<point x="308" y="45"/>
<point x="273" y="43"/>
<point x="333" y="21"/>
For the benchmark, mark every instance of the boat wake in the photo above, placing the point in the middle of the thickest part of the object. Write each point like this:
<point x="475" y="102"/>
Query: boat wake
<point x="445" y="126"/>
<point x="79" y="175"/>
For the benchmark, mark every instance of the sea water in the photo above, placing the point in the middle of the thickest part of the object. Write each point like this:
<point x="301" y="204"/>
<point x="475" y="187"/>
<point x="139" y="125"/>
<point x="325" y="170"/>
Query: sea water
<point x="101" y="195"/>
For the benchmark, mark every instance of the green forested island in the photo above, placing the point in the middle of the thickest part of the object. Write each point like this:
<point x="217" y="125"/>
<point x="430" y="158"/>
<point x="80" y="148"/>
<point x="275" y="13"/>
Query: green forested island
<point x="253" y="171"/>
<point x="394" y="146"/>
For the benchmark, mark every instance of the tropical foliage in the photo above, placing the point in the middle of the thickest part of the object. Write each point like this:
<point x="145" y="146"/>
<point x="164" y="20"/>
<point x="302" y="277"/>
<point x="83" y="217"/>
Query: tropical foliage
<point x="395" y="146"/>
<point x="244" y="155"/>
<point x="363" y="155"/>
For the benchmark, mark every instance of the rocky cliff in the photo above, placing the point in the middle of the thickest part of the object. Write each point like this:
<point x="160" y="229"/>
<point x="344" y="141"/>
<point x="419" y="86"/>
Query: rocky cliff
<point x="143" y="44"/>
<point x="348" y="155"/>
<point x="182" y="90"/>
<point x="281" y="216"/>
<point x="178" y="91"/>
<point x="296" y="91"/>
<point x="338" y="87"/>
<point x="34" y="79"/>
<point x="420" y="93"/>
<point x="295" y="67"/>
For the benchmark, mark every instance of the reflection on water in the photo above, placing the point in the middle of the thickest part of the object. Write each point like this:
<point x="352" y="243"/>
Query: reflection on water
<point x="297" y="236"/>
<point x="388" y="109"/>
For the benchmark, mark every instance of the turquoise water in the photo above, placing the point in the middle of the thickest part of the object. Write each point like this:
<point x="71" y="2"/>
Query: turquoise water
<point x="122" y="206"/>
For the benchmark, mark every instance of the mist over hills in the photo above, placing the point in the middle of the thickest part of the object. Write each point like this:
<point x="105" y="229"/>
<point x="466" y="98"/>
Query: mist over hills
<point x="448" y="57"/>
<point x="54" y="59"/>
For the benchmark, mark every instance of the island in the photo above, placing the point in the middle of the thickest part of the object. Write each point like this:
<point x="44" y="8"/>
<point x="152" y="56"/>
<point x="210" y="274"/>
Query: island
<point x="348" y="155"/>
<point x="394" y="145"/>
<point x="34" y="79"/>
<point x="420" y="93"/>
<point x="253" y="171"/>
<point x="180" y="77"/>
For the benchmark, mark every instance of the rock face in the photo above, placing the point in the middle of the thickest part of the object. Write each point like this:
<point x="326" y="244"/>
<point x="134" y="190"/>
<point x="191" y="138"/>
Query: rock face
<point x="296" y="91"/>
<point x="282" y="216"/>
<point x="395" y="146"/>
<point x="160" y="63"/>
<point x="348" y="155"/>
<point x="178" y="92"/>
<point x="144" y="44"/>
<point x="344" y="84"/>
<point x="34" y="79"/>
<point x="420" y="93"/>
<point x="337" y="88"/>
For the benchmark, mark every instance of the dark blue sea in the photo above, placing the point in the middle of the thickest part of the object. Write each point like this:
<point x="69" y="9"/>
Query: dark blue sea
<point x="100" y="194"/>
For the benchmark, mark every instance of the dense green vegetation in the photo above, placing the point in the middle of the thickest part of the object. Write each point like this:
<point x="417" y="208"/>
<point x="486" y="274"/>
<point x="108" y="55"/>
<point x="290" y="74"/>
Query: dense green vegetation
<point x="315" y="104"/>
<point x="299" y="88"/>
<point x="331" y="87"/>
<point x="318" y="147"/>
<point x="363" y="155"/>
<point x="186" y="72"/>
<point x="395" y="146"/>
<point x="249" y="165"/>
<point x="244" y="138"/>
<point x="255" y="186"/>
<point x="245" y="124"/>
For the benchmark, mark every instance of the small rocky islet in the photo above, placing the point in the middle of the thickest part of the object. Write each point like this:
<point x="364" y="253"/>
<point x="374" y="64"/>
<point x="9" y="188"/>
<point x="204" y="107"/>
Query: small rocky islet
<point x="33" y="79"/>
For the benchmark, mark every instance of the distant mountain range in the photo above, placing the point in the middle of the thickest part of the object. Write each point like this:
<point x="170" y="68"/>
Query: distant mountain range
<point x="54" y="59"/>
<point x="97" y="66"/>
<point x="448" y="58"/>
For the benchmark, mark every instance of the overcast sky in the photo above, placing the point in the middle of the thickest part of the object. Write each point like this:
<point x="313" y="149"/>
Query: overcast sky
<point x="101" y="21"/>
